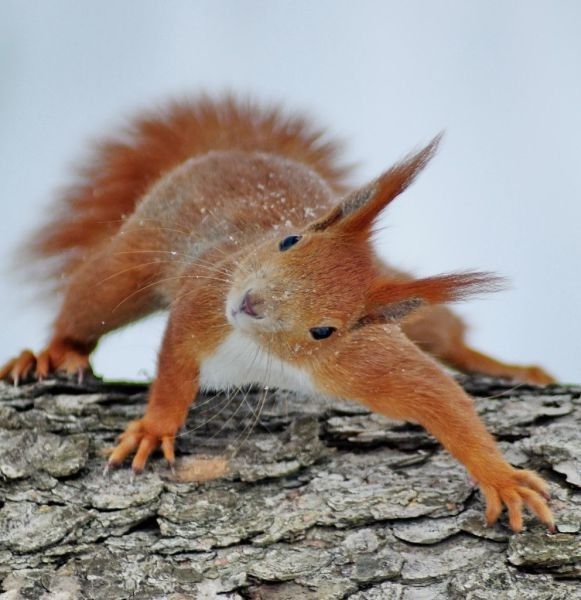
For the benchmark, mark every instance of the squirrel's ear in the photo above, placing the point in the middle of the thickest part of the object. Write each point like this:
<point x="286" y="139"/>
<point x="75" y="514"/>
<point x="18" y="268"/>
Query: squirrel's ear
<point x="359" y="209"/>
<point x="392" y="300"/>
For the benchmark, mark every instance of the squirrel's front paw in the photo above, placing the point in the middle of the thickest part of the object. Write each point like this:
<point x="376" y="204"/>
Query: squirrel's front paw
<point x="143" y="438"/>
<point x="515" y="488"/>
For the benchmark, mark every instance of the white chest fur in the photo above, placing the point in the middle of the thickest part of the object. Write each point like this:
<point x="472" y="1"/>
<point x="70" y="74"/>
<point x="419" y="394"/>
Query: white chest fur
<point x="240" y="361"/>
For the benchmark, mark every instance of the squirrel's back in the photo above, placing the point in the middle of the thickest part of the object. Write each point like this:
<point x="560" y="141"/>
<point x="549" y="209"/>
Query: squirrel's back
<point x="122" y="169"/>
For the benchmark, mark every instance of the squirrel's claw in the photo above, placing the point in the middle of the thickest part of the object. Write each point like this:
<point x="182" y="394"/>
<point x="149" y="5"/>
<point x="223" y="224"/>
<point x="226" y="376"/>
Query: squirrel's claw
<point x="19" y="369"/>
<point x="168" y="449"/>
<point x="521" y="488"/>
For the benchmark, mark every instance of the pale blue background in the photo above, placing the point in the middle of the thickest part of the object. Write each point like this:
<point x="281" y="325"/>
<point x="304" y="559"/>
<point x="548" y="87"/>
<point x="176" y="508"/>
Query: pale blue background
<point x="502" y="77"/>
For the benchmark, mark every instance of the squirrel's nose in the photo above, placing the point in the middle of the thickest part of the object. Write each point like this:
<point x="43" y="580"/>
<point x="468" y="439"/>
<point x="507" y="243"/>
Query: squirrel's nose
<point x="248" y="305"/>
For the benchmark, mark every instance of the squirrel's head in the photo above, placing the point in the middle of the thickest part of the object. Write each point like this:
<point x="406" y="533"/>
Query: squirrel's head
<point x="303" y="292"/>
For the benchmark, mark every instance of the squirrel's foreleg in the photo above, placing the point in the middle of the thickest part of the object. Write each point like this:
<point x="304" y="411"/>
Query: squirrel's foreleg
<point x="170" y="397"/>
<point x="381" y="368"/>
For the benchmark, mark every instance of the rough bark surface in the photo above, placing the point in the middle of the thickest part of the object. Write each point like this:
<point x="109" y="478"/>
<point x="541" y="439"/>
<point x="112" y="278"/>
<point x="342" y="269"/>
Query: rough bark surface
<point x="322" y="500"/>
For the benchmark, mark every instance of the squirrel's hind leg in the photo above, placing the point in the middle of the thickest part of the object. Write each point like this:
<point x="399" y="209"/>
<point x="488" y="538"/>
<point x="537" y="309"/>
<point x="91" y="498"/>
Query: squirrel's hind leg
<point x="61" y="355"/>
<point x="440" y="332"/>
<point x="468" y="360"/>
<point x="109" y="290"/>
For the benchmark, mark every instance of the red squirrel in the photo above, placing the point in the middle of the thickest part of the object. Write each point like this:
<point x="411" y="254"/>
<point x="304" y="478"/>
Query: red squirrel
<point x="238" y="220"/>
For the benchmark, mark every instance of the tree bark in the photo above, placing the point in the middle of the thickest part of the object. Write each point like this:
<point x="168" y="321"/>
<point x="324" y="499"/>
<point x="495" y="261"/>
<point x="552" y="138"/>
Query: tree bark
<point x="317" y="500"/>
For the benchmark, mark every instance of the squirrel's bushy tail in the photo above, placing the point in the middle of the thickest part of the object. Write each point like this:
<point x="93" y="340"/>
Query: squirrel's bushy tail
<point x="121" y="169"/>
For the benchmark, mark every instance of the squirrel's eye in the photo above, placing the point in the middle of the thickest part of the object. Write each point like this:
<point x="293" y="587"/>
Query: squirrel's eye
<point x="320" y="333"/>
<point x="289" y="241"/>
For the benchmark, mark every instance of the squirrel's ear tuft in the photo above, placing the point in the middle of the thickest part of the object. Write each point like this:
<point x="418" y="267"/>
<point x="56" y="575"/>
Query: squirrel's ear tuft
<point x="358" y="211"/>
<point x="391" y="300"/>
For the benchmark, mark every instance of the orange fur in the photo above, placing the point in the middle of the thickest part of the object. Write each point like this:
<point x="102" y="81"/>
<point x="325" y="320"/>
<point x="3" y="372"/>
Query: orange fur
<point x="193" y="213"/>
